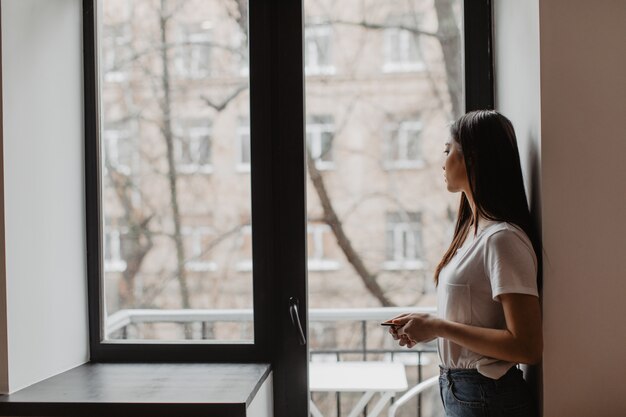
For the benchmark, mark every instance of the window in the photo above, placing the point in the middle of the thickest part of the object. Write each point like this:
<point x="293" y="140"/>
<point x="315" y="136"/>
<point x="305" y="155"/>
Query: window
<point x="355" y="107"/>
<point x="193" y="59"/>
<point x="317" y="50"/>
<point x="166" y="131"/>
<point x="118" y="147"/>
<point x="404" y="145"/>
<point x="404" y="241"/>
<point x="116" y="51"/>
<point x="320" y="132"/>
<point x="193" y="147"/>
<point x="197" y="241"/>
<point x="319" y="240"/>
<point x="243" y="143"/>
<point x="113" y="260"/>
<point x="402" y="51"/>
<point x="245" y="236"/>
<point x="240" y="50"/>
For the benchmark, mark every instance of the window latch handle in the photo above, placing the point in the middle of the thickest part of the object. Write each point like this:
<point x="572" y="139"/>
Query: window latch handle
<point x="295" y="319"/>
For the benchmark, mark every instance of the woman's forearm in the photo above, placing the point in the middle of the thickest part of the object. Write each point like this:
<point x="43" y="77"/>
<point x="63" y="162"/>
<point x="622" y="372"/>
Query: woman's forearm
<point x="494" y="343"/>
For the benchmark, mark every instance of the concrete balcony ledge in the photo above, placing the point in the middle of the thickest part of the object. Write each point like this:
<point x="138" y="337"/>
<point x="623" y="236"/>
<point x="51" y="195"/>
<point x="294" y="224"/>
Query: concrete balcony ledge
<point x="226" y="390"/>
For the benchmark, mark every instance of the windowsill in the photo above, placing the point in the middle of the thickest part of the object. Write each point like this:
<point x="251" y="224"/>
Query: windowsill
<point x="242" y="168"/>
<point x="141" y="389"/>
<point x="403" y="67"/>
<point x="318" y="71"/>
<point x="198" y="266"/>
<point x="324" y="165"/>
<point x="403" y="164"/>
<point x="403" y="265"/>
<point x="322" y="265"/>
<point x="194" y="169"/>
<point x="114" y="77"/>
<point x="114" y="266"/>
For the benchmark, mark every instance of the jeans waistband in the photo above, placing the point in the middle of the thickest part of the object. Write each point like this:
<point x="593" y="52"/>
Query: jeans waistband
<point x="460" y="372"/>
<point x="467" y="373"/>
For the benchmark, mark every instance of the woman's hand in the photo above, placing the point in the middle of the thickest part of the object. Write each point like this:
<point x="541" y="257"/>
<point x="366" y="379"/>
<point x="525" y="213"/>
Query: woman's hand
<point x="414" y="328"/>
<point x="404" y="340"/>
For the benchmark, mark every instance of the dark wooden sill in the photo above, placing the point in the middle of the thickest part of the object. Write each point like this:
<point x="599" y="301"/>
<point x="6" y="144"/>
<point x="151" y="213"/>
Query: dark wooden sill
<point x="115" y="390"/>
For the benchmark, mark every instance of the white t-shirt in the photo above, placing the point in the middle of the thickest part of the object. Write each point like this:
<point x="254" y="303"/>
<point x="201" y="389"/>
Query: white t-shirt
<point x="500" y="259"/>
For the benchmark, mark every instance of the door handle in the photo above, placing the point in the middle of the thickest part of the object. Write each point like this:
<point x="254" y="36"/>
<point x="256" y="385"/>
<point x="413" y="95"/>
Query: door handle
<point x="295" y="319"/>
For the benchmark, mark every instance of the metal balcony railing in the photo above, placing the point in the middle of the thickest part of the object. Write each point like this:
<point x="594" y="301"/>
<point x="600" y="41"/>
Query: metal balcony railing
<point x="365" y="319"/>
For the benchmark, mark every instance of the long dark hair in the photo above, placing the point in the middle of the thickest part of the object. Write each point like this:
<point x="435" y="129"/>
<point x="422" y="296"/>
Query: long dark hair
<point x="489" y="148"/>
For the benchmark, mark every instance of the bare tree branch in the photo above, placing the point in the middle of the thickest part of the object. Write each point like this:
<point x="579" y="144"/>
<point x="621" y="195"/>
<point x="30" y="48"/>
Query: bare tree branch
<point x="380" y="26"/>
<point x="331" y="218"/>
<point x="168" y="136"/>
<point x="223" y="103"/>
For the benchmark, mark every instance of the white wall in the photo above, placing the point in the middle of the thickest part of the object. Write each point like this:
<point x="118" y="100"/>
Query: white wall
<point x="576" y="48"/>
<point x="262" y="404"/>
<point x="516" y="51"/>
<point x="518" y="96"/>
<point x="46" y="303"/>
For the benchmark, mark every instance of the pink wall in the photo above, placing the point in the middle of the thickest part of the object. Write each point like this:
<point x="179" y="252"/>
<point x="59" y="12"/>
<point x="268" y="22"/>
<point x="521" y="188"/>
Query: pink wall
<point x="583" y="164"/>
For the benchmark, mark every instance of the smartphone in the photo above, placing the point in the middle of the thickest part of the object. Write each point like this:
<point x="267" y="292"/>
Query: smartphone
<point x="386" y="323"/>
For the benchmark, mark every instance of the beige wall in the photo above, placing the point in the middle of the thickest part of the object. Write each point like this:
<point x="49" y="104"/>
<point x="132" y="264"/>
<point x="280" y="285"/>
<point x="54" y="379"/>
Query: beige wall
<point x="572" y="147"/>
<point x="583" y="147"/>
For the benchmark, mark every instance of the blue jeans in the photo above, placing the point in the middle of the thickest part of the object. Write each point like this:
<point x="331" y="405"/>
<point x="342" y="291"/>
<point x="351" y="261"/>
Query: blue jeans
<point x="467" y="393"/>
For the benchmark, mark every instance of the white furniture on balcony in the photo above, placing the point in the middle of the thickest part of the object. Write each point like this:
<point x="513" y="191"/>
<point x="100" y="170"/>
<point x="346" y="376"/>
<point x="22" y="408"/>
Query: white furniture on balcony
<point x="369" y="378"/>
<point x="416" y="390"/>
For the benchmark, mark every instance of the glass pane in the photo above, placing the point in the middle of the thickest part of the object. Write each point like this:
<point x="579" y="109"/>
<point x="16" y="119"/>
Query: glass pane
<point x="391" y="86"/>
<point x="176" y="203"/>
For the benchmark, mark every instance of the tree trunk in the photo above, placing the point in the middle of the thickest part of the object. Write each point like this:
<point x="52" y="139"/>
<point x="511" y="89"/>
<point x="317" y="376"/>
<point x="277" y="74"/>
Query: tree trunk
<point x="168" y="135"/>
<point x="449" y="37"/>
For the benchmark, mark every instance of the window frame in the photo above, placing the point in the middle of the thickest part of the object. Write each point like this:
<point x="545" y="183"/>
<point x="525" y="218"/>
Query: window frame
<point x="401" y="40"/>
<point x="115" y="139"/>
<point x="113" y="261"/>
<point x="192" y="134"/>
<point x="276" y="31"/>
<point x="120" y="75"/>
<point x="315" y="140"/>
<point x="410" y="227"/>
<point x="316" y="233"/>
<point x="398" y="142"/>
<point x="313" y="33"/>
<point x="260" y="16"/>
<point x="195" y="43"/>
<point x="242" y="134"/>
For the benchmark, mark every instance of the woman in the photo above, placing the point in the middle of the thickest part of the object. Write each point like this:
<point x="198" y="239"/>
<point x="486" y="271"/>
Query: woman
<point x="489" y="317"/>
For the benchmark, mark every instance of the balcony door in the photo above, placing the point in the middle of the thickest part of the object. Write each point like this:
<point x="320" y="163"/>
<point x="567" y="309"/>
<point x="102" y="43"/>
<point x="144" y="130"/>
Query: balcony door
<point x="383" y="80"/>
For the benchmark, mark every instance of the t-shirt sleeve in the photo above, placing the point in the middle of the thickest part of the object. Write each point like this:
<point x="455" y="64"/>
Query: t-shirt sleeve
<point x="510" y="264"/>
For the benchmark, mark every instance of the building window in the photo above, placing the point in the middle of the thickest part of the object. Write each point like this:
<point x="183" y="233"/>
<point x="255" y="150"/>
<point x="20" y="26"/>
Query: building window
<point x="113" y="260"/>
<point x="242" y="54"/>
<point x="243" y="144"/>
<point x="116" y="40"/>
<point x="319" y="239"/>
<point x="197" y="242"/>
<point x="402" y="51"/>
<point x="404" y="241"/>
<point x="320" y="133"/>
<point x="193" y="58"/>
<point x="404" y="145"/>
<point x="119" y="149"/>
<point x="318" y="50"/>
<point x="245" y="238"/>
<point x="193" y="147"/>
